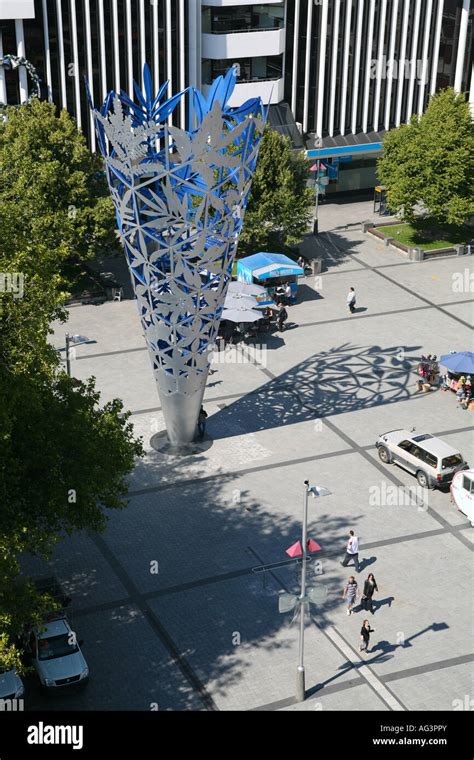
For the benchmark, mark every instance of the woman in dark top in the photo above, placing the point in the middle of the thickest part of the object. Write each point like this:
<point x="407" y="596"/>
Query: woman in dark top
<point x="365" y="632"/>
<point x="370" y="587"/>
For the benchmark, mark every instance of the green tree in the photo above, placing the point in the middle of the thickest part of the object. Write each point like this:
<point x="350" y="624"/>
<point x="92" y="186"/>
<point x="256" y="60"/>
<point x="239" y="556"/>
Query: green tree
<point x="279" y="206"/>
<point x="429" y="163"/>
<point x="53" y="196"/>
<point x="64" y="460"/>
<point x="64" y="457"/>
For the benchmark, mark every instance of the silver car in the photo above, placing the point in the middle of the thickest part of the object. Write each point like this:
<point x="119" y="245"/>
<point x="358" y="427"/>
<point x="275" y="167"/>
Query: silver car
<point x="11" y="686"/>
<point x="56" y="655"/>
<point x="430" y="459"/>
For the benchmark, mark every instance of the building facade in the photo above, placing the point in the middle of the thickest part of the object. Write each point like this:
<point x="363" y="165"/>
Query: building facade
<point x="347" y="69"/>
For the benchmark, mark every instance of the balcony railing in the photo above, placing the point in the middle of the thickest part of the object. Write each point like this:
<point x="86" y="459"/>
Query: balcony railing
<point x="223" y="29"/>
<point x="255" y="80"/>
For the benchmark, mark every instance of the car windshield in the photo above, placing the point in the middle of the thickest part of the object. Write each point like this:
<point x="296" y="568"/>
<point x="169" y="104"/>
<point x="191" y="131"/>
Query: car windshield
<point x="56" y="646"/>
<point x="451" y="461"/>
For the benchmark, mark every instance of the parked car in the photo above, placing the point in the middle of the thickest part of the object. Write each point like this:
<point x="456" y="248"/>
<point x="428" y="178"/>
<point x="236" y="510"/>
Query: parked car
<point x="56" y="655"/>
<point x="11" y="685"/>
<point x="462" y="493"/>
<point x="430" y="459"/>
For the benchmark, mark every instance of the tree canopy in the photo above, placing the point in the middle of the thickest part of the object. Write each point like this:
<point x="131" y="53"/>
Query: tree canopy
<point x="64" y="457"/>
<point x="54" y="201"/>
<point x="428" y="164"/>
<point x="279" y="206"/>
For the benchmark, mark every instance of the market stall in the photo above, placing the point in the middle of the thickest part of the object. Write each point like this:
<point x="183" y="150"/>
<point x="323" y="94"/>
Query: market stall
<point x="457" y="378"/>
<point x="273" y="271"/>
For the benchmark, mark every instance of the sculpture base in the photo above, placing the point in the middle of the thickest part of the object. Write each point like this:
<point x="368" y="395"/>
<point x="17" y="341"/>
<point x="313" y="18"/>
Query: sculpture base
<point x="162" y="444"/>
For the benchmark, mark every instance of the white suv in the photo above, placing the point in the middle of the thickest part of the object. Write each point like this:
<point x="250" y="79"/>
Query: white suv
<point x="432" y="461"/>
<point x="56" y="655"/>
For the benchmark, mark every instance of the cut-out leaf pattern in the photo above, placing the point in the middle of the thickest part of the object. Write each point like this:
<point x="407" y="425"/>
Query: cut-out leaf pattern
<point x="176" y="193"/>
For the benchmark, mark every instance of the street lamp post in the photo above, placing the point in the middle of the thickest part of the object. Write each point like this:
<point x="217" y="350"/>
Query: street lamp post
<point x="68" y="360"/>
<point x="300" y="676"/>
<point x="317" y="144"/>
<point x="305" y="598"/>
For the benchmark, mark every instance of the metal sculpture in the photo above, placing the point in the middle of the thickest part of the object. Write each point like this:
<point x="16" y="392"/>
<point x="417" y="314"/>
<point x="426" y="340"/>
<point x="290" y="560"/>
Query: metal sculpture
<point x="180" y="197"/>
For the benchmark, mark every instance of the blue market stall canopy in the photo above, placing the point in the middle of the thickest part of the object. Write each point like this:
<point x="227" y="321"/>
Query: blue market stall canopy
<point x="264" y="266"/>
<point x="461" y="361"/>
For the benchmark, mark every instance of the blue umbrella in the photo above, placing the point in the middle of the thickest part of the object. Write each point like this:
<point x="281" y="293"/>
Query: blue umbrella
<point x="460" y="361"/>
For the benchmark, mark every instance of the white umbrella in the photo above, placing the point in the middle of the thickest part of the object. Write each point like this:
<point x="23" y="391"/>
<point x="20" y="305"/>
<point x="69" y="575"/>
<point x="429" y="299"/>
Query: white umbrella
<point x="235" y="301"/>
<point x="241" y="315"/>
<point x="246" y="288"/>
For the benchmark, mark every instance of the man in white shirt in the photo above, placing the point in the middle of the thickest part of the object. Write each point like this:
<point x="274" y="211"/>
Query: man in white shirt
<point x="351" y="300"/>
<point x="352" y="551"/>
<point x="288" y="294"/>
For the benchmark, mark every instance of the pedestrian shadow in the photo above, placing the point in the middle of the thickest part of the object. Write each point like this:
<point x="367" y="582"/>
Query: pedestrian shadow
<point x="366" y="562"/>
<point x="359" y="309"/>
<point x="384" y="652"/>
<point x="384" y="646"/>
<point x="382" y="602"/>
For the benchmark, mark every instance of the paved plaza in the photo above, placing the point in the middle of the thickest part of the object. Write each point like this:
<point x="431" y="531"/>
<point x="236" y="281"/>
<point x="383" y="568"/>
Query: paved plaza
<point x="204" y="631"/>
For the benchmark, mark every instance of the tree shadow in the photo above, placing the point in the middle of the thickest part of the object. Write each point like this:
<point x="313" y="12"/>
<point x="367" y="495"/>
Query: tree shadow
<point x="332" y="249"/>
<point x="209" y="540"/>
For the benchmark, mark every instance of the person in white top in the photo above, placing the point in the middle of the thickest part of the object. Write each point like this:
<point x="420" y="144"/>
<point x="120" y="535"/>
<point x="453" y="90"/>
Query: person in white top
<point x="352" y="551"/>
<point x="288" y="294"/>
<point x="351" y="300"/>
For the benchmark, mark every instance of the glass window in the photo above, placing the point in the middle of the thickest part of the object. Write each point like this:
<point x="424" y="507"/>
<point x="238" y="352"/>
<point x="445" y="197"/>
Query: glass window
<point x="451" y="461"/>
<point x="405" y="445"/>
<point x="56" y="646"/>
<point x="468" y="484"/>
<point x="415" y="451"/>
<point x="249" y="69"/>
<point x="248" y="18"/>
<point x="428" y="458"/>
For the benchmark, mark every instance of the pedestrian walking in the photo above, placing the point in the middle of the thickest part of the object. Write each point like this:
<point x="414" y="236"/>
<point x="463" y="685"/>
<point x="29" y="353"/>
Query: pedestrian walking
<point x="282" y="317"/>
<point x="202" y="422"/>
<point x="351" y="300"/>
<point x="365" y="632"/>
<point x="352" y="551"/>
<point x="370" y="587"/>
<point x="288" y="294"/>
<point x="351" y="592"/>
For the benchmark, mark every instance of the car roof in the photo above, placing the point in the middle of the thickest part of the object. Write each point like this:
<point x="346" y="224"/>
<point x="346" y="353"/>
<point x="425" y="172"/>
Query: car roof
<point x="54" y="628"/>
<point x="434" y="445"/>
<point x="426" y="441"/>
